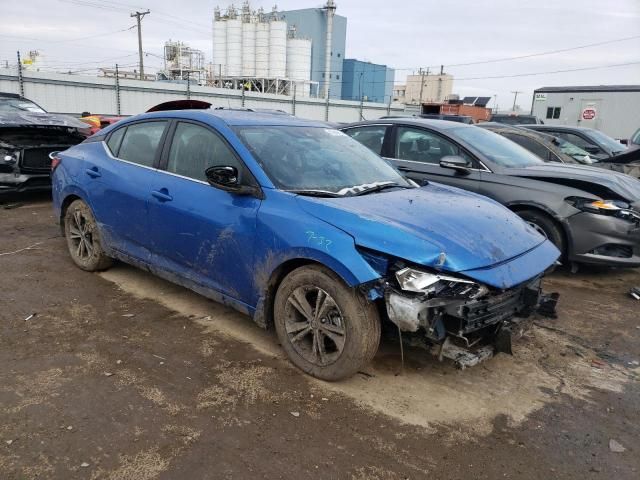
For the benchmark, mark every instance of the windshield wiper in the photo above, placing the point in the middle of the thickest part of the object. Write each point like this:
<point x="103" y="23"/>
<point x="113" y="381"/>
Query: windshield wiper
<point x="315" y="193"/>
<point x="374" y="187"/>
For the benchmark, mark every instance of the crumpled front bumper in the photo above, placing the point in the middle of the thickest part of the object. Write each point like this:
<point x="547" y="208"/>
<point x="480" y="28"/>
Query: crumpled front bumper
<point x="468" y="331"/>
<point x="21" y="182"/>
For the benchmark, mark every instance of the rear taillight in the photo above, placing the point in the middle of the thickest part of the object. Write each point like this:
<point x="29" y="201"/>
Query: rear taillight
<point x="55" y="160"/>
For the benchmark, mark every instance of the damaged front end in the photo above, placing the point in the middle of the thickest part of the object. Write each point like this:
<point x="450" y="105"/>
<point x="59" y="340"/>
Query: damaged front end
<point x="458" y="318"/>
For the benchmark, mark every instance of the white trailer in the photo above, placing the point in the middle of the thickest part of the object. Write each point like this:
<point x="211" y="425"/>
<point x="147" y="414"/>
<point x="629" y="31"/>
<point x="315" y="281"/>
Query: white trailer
<point x="612" y="109"/>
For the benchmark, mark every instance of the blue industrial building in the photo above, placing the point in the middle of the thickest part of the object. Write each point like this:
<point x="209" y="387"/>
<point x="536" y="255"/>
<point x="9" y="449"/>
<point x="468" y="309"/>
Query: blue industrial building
<point x="367" y="81"/>
<point x="312" y="23"/>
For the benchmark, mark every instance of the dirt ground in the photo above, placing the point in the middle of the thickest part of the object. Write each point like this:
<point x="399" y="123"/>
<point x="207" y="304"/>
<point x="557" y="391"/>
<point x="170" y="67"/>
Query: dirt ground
<point x="120" y="375"/>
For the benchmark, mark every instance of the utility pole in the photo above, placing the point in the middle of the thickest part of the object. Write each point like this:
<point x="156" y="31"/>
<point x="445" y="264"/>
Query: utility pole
<point x="139" y="16"/>
<point x="422" y="74"/>
<point x="515" y="96"/>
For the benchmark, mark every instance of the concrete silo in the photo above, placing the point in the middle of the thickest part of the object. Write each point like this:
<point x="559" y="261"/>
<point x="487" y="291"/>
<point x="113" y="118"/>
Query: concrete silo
<point x="277" y="48"/>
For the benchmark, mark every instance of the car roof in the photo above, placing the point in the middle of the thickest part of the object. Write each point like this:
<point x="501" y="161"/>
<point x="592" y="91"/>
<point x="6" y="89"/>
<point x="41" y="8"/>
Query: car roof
<point x="235" y="117"/>
<point x="557" y="127"/>
<point x="414" y="121"/>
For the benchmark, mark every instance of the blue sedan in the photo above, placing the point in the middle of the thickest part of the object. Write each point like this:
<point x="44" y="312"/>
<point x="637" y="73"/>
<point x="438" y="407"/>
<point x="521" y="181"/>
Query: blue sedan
<point x="305" y="230"/>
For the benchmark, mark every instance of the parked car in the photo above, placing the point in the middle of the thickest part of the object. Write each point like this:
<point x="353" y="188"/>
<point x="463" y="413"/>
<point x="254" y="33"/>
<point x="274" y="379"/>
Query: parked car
<point x="303" y="228"/>
<point x="634" y="141"/>
<point x="515" y="119"/>
<point x="544" y="146"/>
<point x="28" y="134"/>
<point x="98" y="122"/>
<point x="590" y="214"/>
<point x="599" y="145"/>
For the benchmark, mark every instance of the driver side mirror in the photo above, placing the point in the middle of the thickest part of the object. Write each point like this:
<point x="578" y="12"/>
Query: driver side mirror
<point x="456" y="163"/>
<point x="225" y="177"/>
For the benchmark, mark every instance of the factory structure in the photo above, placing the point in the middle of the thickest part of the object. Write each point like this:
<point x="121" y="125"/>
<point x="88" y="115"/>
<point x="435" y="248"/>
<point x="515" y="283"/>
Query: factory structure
<point x="295" y="51"/>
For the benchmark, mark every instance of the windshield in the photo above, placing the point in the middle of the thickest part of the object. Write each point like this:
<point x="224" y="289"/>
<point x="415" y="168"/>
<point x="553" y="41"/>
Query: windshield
<point x="606" y="141"/>
<point x="496" y="148"/>
<point x="574" y="151"/>
<point x="317" y="159"/>
<point x="18" y="104"/>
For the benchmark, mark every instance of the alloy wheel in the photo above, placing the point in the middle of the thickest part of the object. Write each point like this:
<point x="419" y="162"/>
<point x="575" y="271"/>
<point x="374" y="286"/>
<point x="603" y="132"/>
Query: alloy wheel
<point x="81" y="236"/>
<point x="315" y="325"/>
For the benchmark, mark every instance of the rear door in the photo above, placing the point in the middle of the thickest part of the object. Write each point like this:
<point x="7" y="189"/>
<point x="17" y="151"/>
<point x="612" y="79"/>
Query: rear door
<point x="417" y="152"/>
<point x="204" y="234"/>
<point x="118" y="185"/>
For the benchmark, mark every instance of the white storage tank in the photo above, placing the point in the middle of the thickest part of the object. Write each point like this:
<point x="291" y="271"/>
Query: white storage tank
<point x="277" y="48"/>
<point x="262" y="50"/>
<point x="234" y="47"/>
<point x="249" y="49"/>
<point x="219" y="47"/>
<point x="299" y="64"/>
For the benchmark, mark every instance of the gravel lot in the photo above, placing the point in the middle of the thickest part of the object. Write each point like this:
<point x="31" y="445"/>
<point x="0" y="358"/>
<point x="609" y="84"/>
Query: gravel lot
<point x="120" y="375"/>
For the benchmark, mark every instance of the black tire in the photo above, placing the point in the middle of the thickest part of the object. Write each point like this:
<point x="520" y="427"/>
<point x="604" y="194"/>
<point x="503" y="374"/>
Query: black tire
<point x="340" y="308"/>
<point x="83" y="238"/>
<point x="545" y="225"/>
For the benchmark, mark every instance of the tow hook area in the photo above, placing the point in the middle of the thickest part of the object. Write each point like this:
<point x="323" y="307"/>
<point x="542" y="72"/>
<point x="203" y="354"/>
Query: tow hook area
<point x="461" y="356"/>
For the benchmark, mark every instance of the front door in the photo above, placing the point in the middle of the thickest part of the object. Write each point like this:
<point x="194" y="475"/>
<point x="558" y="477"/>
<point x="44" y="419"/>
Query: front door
<point x="200" y="232"/>
<point x="589" y="114"/>
<point x="417" y="153"/>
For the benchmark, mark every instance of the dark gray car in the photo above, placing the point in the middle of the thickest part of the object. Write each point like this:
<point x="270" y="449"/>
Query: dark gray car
<point x="599" y="145"/>
<point x="592" y="215"/>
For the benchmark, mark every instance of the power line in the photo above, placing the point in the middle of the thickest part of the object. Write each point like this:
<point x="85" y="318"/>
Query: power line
<point x="599" y="67"/>
<point x="549" y="52"/>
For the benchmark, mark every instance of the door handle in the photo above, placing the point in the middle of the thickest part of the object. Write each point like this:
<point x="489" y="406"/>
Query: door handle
<point x="162" y="195"/>
<point x="93" y="172"/>
<point x="405" y="169"/>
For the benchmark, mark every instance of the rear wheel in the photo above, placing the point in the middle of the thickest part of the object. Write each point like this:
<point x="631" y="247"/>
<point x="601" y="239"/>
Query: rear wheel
<point x="545" y="226"/>
<point x="83" y="238"/>
<point x="326" y="328"/>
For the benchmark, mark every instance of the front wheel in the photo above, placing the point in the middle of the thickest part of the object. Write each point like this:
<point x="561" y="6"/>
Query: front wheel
<point x="545" y="226"/>
<point x="327" y="329"/>
<point x="83" y="238"/>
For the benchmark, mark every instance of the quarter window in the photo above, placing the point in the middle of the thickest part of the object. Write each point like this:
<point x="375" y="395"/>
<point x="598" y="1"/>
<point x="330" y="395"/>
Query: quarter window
<point x="424" y="146"/>
<point x="196" y="148"/>
<point x="371" y="137"/>
<point x="141" y="141"/>
<point x="114" y="141"/>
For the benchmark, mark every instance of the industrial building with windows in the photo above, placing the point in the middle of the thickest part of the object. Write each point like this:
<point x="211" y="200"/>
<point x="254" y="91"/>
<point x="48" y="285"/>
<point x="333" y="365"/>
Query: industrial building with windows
<point x="299" y="51"/>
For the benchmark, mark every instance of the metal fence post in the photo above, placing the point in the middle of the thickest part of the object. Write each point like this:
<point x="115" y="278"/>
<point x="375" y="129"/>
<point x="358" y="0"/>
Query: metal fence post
<point x="326" y="108"/>
<point x="293" y="101"/>
<point x="389" y="105"/>
<point x="361" y="107"/>
<point x="117" y="91"/>
<point x="188" y="86"/>
<point x="20" y="78"/>
<point x="242" y="102"/>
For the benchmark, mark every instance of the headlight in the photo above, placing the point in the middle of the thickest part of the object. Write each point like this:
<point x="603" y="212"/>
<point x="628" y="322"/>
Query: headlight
<point x="438" y="285"/>
<point x="614" y="208"/>
<point x="8" y="156"/>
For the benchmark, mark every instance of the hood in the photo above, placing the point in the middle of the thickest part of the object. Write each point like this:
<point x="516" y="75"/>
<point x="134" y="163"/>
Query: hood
<point x="436" y="226"/>
<point x="595" y="180"/>
<point x="25" y="119"/>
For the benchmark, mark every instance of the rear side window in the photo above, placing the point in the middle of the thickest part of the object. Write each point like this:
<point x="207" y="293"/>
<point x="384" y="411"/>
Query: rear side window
<point x="114" y="141"/>
<point x="141" y="141"/>
<point x="371" y="137"/>
<point x="196" y="148"/>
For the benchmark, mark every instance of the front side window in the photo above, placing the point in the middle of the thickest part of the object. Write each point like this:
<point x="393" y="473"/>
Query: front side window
<point x="421" y="145"/>
<point x="315" y="158"/>
<point x="535" y="147"/>
<point x="371" y="137"/>
<point x="141" y="141"/>
<point x="196" y="148"/>
<point x="495" y="147"/>
<point x="575" y="139"/>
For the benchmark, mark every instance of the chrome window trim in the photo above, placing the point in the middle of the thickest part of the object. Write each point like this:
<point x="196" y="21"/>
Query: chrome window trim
<point x="483" y="169"/>
<point x="106" y="148"/>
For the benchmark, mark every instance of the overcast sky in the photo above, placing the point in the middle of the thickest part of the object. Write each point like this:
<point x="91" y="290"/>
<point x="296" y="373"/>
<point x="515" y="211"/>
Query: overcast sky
<point x="405" y="35"/>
